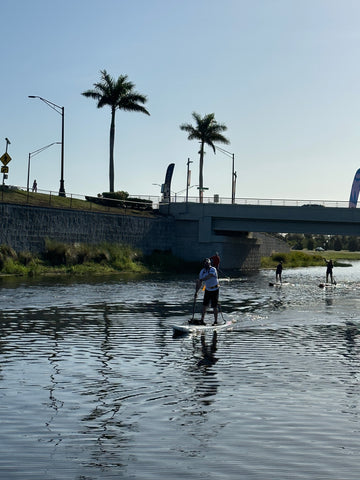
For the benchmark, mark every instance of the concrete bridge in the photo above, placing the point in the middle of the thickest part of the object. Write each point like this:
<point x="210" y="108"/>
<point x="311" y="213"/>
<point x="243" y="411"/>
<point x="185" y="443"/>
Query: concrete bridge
<point x="227" y="219"/>
<point x="229" y="229"/>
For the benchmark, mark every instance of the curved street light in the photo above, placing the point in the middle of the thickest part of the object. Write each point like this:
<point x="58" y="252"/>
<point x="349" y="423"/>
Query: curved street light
<point x="234" y="175"/>
<point x="32" y="154"/>
<point x="61" y="111"/>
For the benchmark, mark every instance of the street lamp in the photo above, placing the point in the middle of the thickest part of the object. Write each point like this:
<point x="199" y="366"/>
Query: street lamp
<point x="188" y="178"/>
<point x="61" y="111"/>
<point x="233" y="174"/>
<point x="32" y="154"/>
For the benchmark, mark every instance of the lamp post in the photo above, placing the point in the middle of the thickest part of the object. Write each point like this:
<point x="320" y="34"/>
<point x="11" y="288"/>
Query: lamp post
<point x="188" y="179"/>
<point x="61" y="111"/>
<point x="32" y="154"/>
<point x="233" y="173"/>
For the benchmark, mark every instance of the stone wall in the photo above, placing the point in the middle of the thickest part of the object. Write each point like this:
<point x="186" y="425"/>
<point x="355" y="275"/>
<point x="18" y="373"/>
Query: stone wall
<point x="270" y="244"/>
<point x="25" y="228"/>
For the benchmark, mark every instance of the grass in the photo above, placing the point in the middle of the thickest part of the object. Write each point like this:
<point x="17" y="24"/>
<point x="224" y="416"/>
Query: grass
<point x="22" y="197"/>
<point x="308" y="258"/>
<point x="84" y="259"/>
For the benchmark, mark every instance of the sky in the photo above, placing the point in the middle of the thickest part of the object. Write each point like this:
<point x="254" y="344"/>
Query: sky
<point x="282" y="75"/>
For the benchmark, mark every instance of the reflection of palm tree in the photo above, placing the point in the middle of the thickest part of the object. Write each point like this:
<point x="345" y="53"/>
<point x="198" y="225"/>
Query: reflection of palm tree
<point x="118" y="94"/>
<point x="208" y="132"/>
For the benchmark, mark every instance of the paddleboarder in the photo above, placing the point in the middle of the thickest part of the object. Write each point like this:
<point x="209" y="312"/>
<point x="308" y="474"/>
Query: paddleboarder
<point x="208" y="276"/>
<point x="279" y="269"/>
<point x="329" y="270"/>
<point x="215" y="261"/>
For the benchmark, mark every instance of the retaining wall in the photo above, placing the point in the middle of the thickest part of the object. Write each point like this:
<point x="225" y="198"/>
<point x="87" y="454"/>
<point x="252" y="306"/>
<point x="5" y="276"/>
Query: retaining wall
<point x="25" y="228"/>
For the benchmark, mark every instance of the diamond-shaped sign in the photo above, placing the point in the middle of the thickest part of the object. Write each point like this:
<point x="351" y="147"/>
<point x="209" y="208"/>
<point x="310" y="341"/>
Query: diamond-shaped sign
<point x="5" y="159"/>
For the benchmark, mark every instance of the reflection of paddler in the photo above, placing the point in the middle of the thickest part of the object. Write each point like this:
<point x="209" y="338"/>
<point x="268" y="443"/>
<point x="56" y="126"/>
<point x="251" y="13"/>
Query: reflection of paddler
<point x="279" y="269"/>
<point x="208" y="351"/>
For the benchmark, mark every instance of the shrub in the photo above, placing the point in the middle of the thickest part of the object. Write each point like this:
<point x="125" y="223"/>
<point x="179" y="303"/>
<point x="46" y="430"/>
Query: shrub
<point x="55" y="252"/>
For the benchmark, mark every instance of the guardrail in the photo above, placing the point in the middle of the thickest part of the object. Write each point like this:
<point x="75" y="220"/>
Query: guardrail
<point x="265" y="201"/>
<point x="20" y="195"/>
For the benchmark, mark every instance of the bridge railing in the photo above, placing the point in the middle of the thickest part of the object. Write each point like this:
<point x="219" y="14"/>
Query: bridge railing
<point x="51" y="198"/>
<point x="265" y="201"/>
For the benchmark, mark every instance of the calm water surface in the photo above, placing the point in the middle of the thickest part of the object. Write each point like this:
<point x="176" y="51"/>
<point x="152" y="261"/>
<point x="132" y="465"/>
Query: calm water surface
<point x="93" y="385"/>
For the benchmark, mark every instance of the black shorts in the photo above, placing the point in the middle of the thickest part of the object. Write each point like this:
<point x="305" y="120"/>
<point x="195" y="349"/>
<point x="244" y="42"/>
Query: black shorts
<point x="211" y="296"/>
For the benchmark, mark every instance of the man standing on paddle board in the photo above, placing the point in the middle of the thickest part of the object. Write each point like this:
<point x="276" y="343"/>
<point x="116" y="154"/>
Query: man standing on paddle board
<point x="279" y="269"/>
<point x="329" y="270"/>
<point x="215" y="260"/>
<point x="208" y="275"/>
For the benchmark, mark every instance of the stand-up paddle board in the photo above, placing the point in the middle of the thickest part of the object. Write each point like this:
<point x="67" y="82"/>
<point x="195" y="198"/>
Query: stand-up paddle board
<point x="278" y="284"/>
<point x="193" y="328"/>
<point x="327" y="285"/>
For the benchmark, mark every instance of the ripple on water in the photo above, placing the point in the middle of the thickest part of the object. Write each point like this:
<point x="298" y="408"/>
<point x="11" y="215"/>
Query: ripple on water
<point x="96" y="382"/>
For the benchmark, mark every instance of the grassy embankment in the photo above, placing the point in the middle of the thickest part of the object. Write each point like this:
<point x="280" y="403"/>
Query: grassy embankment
<point x="82" y="259"/>
<point x="307" y="258"/>
<point x="22" y="197"/>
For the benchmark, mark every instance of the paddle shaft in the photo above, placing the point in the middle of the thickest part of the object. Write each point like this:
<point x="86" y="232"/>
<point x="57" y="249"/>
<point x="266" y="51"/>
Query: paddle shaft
<point x="193" y="313"/>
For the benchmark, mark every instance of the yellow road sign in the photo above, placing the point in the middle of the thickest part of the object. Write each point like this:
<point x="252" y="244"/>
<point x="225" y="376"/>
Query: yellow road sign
<point x="4" y="169"/>
<point x="5" y="159"/>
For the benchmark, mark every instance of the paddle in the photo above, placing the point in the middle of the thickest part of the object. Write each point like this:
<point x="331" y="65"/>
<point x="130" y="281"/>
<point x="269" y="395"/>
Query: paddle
<point x="193" y="312"/>
<point x="220" y="310"/>
<point x="228" y="279"/>
<point x="197" y="288"/>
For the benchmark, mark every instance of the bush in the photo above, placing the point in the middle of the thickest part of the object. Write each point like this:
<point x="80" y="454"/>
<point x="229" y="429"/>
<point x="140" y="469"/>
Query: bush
<point x="55" y="252"/>
<point x="121" y="195"/>
<point x="292" y="260"/>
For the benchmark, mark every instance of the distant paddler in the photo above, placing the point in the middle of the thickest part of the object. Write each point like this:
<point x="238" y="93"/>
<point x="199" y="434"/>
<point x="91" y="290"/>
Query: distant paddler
<point x="329" y="271"/>
<point x="278" y="273"/>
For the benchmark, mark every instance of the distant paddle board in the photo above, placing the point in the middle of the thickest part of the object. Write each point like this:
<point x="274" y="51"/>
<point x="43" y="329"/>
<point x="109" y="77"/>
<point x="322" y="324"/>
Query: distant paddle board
<point x="278" y="284"/>
<point x="193" y="328"/>
<point x="327" y="285"/>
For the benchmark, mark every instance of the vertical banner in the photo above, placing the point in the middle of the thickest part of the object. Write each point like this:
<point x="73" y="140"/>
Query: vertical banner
<point x="354" y="195"/>
<point x="166" y="190"/>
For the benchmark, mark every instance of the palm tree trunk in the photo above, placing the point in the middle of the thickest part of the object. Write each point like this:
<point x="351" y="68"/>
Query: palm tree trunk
<point x="201" y="181"/>
<point x="112" y="141"/>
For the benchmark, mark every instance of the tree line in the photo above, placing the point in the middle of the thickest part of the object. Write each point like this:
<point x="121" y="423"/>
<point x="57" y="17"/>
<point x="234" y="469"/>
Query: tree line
<point x="299" y="241"/>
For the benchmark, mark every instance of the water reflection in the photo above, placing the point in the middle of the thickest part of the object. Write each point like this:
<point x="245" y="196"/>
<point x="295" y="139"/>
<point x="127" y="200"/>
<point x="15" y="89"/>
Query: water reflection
<point x="208" y="351"/>
<point x="92" y="378"/>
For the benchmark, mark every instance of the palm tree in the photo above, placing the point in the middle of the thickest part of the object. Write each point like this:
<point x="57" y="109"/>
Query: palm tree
<point x="208" y="132"/>
<point x="118" y="94"/>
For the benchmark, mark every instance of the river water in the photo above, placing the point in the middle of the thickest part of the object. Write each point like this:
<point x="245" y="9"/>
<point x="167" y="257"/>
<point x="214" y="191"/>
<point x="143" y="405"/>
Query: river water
<point x="93" y="384"/>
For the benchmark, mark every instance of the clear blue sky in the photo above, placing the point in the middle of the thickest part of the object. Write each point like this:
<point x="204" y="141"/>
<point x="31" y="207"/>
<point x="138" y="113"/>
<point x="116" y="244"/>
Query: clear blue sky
<point x="282" y="75"/>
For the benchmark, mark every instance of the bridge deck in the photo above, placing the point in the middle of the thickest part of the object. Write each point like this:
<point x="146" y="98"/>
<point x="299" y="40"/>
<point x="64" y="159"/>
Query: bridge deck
<point x="225" y="219"/>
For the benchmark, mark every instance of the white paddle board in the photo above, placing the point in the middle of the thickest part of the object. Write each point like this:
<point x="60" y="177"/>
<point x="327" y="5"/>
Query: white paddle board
<point x="192" y="328"/>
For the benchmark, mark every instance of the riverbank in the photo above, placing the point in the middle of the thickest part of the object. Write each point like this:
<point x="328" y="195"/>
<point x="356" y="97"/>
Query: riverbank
<point x="309" y="258"/>
<point x="83" y="259"/>
<point x="106" y="259"/>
